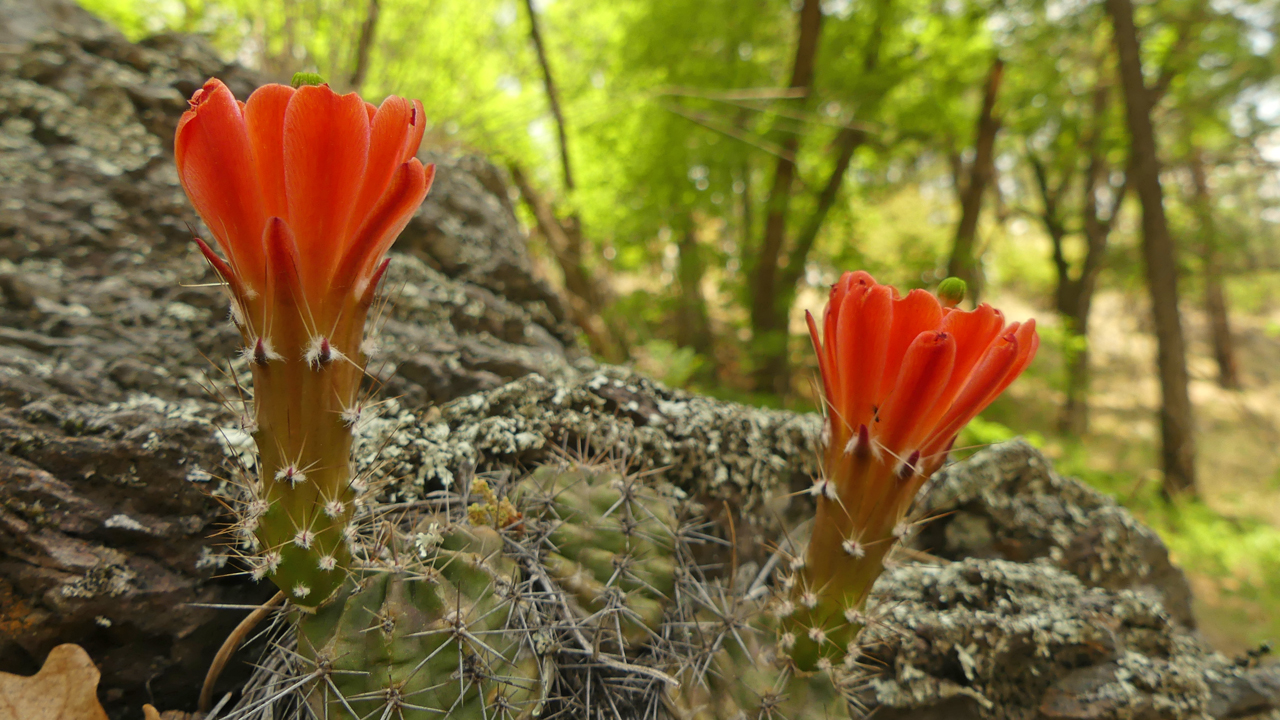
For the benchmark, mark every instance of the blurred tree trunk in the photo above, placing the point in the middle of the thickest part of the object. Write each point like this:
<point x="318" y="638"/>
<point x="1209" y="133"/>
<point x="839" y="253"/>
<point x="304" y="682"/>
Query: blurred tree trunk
<point x="847" y="142"/>
<point x="963" y="264"/>
<point x="1215" y="299"/>
<point x="1176" y="421"/>
<point x="585" y="297"/>
<point x="769" y="318"/>
<point x="589" y="295"/>
<point x="364" y="46"/>
<point x="779" y="269"/>
<point x="1074" y="295"/>
<point x="693" y="328"/>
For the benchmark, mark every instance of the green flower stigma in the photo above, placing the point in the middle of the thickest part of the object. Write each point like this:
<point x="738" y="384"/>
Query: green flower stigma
<point x="951" y="291"/>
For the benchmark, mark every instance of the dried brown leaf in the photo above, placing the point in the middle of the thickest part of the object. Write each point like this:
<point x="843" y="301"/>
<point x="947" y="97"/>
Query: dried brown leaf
<point x="66" y="688"/>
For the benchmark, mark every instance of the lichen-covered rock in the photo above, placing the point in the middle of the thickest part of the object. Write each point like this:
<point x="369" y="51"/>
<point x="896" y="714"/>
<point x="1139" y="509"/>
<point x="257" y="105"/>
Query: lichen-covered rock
<point x="1027" y="641"/>
<point x="1006" y="502"/>
<point x="105" y="525"/>
<point x="728" y="455"/>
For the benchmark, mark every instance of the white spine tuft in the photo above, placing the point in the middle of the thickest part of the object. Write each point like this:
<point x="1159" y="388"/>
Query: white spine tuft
<point x="303" y="538"/>
<point x="854" y="549"/>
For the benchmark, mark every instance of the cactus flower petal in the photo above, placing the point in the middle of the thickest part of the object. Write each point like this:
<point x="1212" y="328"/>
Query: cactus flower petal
<point x="264" y="114"/>
<point x="326" y="149"/>
<point x="215" y="165"/>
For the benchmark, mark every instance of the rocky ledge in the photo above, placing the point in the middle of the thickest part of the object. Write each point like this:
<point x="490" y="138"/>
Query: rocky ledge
<point x="1031" y="597"/>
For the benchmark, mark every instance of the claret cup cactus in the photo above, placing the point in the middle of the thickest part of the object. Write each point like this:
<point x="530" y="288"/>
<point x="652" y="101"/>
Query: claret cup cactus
<point x="304" y="191"/>
<point x="566" y="590"/>
<point x="901" y="376"/>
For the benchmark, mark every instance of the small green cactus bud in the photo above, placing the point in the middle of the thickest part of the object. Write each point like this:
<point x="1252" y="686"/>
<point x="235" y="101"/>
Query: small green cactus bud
<point x="951" y="291"/>
<point x="306" y="78"/>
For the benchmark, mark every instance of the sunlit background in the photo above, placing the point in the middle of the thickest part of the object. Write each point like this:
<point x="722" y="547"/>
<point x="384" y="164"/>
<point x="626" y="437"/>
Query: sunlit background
<point x="650" y="146"/>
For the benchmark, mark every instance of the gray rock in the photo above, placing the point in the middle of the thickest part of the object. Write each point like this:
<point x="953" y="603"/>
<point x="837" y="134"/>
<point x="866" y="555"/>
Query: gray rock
<point x="1027" y="641"/>
<point x="1011" y="505"/>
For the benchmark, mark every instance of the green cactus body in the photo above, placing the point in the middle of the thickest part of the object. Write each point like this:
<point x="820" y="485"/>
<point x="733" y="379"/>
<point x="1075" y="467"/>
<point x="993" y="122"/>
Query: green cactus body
<point x="751" y="676"/>
<point x="745" y="689"/>
<point x="610" y="545"/>
<point x="429" y="639"/>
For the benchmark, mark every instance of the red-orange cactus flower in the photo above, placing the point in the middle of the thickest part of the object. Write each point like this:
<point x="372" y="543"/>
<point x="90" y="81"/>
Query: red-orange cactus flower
<point x="902" y="375"/>
<point x="339" y="173"/>
<point x="304" y="191"/>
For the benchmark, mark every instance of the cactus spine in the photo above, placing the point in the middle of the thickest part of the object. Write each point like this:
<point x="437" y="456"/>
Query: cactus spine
<point x="575" y="591"/>
<point x="610" y="544"/>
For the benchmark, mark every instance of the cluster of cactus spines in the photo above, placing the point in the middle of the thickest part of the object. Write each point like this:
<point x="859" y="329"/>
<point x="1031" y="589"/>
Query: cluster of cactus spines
<point x="751" y="677"/>
<point x="441" y="633"/>
<point x="303" y="190"/>
<point x="579" y="590"/>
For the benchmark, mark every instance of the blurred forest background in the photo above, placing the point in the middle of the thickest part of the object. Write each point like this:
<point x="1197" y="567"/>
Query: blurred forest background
<point x="695" y="173"/>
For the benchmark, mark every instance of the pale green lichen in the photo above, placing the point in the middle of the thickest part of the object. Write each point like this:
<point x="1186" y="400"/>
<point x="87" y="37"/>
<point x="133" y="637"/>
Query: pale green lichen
<point x="719" y="450"/>
<point x="1024" y="639"/>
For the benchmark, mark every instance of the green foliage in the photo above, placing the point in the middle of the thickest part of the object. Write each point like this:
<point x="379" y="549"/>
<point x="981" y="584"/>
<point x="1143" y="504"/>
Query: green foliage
<point x="669" y="364"/>
<point x="980" y="433"/>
